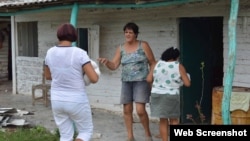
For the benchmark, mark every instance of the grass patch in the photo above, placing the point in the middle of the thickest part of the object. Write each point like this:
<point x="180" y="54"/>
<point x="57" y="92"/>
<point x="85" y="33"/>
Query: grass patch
<point x="37" y="133"/>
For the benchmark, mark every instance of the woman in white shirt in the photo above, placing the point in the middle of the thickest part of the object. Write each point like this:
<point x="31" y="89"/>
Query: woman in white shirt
<point x="65" y="65"/>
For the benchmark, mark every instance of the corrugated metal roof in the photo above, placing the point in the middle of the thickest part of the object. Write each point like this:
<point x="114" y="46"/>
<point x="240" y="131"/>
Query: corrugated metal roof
<point x="8" y="3"/>
<point x="22" y="2"/>
<point x="11" y="7"/>
<point x="28" y="2"/>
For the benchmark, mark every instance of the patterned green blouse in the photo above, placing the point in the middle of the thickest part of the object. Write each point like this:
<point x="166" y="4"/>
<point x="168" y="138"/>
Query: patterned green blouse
<point x="167" y="78"/>
<point x="134" y="65"/>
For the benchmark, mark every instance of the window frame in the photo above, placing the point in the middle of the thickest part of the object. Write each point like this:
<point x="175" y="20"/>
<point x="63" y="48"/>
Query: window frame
<point x="27" y="39"/>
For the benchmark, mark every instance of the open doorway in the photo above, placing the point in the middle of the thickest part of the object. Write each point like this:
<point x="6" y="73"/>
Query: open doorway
<point x="201" y="45"/>
<point x="5" y="49"/>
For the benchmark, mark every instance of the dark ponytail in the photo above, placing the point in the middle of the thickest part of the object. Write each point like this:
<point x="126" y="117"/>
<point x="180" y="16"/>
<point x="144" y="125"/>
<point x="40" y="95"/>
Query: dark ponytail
<point x="170" y="53"/>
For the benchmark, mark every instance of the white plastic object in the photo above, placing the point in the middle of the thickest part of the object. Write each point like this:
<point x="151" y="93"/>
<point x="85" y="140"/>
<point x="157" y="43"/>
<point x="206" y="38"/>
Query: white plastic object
<point x="97" y="70"/>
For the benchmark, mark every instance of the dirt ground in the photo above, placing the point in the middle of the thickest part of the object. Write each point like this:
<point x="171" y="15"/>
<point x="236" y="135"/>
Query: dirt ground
<point x="108" y="126"/>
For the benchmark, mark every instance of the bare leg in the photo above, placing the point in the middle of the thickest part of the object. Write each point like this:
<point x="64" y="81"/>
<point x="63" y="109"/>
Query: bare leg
<point x="128" y="119"/>
<point x="164" y="129"/>
<point x="143" y="115"/>
<point x="174" y="121"/>
<point x="158" y="135"/>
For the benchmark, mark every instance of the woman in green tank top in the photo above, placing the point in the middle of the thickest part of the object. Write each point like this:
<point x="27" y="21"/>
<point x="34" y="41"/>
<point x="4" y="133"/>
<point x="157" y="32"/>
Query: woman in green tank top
<point x="136" y="59"/>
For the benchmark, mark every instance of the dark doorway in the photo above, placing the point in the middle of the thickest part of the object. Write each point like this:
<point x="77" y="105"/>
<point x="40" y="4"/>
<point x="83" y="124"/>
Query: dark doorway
<point x="201" y="42"/>
<point x="5" y="50"/>
<point x="9" y="53"/>
<point x="82" y="40"/>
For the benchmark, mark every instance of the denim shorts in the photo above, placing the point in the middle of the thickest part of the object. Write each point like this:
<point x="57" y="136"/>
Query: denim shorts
<point x="135" y="91"/>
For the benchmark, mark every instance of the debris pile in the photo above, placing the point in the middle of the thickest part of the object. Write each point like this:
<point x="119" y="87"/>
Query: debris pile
<point x="12" y="117"/>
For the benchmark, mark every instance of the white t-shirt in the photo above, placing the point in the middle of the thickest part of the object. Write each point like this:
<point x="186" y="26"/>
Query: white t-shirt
<point x="167" y="78"/>
<point x="65" y="64"/>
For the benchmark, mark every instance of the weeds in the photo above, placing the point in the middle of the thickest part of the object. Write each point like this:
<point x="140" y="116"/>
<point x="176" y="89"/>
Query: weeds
<point x="201" y="117"/>
<point x="37" y="133"/>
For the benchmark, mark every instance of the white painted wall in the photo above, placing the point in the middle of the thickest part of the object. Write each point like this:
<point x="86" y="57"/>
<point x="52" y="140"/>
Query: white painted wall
<point x="242" y="64"/>
<point x="158" y="26"/>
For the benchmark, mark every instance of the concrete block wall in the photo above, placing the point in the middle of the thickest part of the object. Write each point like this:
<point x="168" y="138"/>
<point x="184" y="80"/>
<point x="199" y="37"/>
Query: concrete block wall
<point x="29" y="72"/>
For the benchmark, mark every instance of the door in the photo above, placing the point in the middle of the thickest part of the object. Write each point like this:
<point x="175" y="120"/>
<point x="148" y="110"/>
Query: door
<point x="5" y="49"/>
<point x="201" y="46"/>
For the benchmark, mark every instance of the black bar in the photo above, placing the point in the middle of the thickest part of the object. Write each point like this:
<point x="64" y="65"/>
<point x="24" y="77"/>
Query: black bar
<point x="178" y="132"/>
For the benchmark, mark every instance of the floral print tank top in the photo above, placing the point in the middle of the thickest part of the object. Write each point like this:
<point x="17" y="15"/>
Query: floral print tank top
<point x="134" y="65"/>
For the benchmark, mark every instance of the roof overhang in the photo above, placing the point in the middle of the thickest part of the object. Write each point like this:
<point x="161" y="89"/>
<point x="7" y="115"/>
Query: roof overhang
<point x="13" y="7"/>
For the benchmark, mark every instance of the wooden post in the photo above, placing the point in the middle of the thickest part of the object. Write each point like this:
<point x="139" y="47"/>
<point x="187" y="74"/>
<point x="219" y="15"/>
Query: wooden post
<point x="228" y="79"/>
<point x="74" y="15"/>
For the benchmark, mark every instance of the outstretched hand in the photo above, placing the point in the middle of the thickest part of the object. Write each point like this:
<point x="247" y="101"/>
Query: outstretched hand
<point x="103" y="61"/>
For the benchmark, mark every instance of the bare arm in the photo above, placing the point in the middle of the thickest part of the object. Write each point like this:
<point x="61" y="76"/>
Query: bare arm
<point x="150" y="78"/>
<point x="115" y="63"/>
<point x="184" y="76"/>
<point x="47" y="73"/>
<point x="150" y="56"/>
<point x="88" y="69"/>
